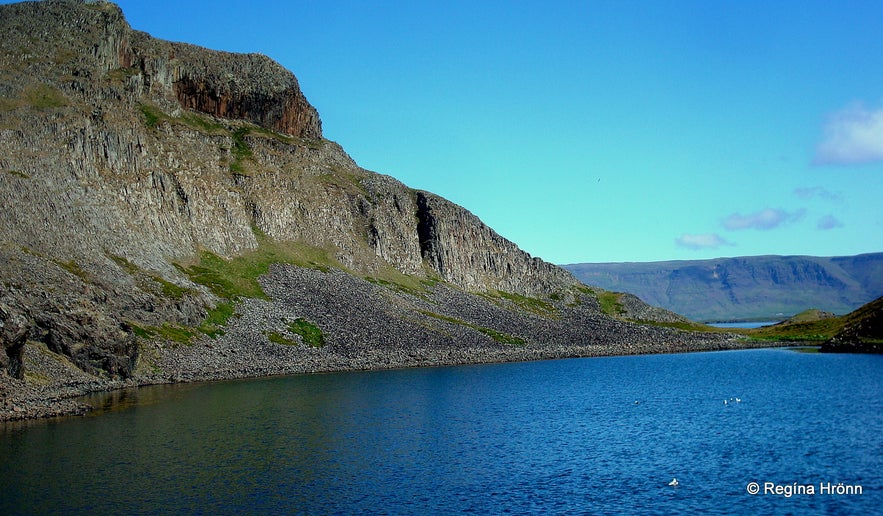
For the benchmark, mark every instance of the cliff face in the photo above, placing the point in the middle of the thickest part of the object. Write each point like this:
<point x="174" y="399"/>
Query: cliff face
<point x="91" y="42"/>
<point x="126" y="158"/>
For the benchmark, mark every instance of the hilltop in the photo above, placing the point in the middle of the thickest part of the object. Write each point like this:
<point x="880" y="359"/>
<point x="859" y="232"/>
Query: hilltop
<point x="745" y="288"/>
<point x="174" y="213"/>
<point x="860" y="331"/>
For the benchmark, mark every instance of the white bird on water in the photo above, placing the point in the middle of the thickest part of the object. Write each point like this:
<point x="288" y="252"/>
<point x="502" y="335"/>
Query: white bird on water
<point x="674" y="482"/>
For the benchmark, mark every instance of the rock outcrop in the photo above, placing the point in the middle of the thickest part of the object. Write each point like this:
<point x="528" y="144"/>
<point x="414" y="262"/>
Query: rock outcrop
<point x="14" y="329"/>
<point x="152" y="188"/>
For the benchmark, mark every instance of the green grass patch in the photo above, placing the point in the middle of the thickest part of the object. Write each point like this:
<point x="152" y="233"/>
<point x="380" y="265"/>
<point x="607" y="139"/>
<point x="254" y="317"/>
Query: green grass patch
<point x="610" y="303"/>
<point x="168" y="331"/>
<point x="16" y="173"/>
<point x="530" y="304"/>
<point x="167" y="288"/>
<point x="229" y="278"/>
<point x="152" y="115"/>
<point x="237" y="277"/>
<point x="813" y="331"/>
<point x="203" y="123"/>
<point x="74" y="268"/>
<point x="267" y="133"/>
<point x="394" y="280"/>
<point x="498" y="336"/>
<point x="345" y="180"/>
<point x="240" y="149"/>
<point x="141" y="331"/>
<point x="175" y="333"/>
<point x="502" y="338"/>
<point x="44" y="96"/>
<point x="9" y="104"/>
<point x="278" y="338"/>
<point x="124" y="264"/>
<point x="813" y="314"/>
<point x="216" y="319"/>
<point x="309" y="332"/>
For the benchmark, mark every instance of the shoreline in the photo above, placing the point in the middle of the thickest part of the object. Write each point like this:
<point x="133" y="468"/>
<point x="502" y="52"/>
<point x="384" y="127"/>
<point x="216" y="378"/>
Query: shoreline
<point x="24" y="400"/>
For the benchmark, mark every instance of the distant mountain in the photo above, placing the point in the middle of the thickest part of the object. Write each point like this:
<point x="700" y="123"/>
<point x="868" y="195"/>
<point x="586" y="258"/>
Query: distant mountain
<point x="751" y="287"/>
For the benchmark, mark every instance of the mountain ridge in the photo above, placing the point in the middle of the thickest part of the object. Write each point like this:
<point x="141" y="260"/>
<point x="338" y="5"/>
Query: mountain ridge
<point x="175" y="214"/>
<point x="765" y="287"/>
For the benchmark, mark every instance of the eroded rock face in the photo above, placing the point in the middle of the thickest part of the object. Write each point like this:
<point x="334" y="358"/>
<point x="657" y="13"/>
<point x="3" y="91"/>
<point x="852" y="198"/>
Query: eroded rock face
<point x="466" y="252"/>
<point x="249" y="87"/>
<point x="94" y="39"/>
<point x="124" y="156"/>
<point x="14" y="329"/>
<point x="286" y="111"/>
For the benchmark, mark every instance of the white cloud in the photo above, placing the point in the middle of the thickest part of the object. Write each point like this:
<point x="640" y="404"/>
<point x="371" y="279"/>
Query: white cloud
<point x="853" y="135"/>
<point x="702" y="241"/>
<point x="816" y="191"/>
<point x="828" y="222"/>
<point x="767" y="218"/>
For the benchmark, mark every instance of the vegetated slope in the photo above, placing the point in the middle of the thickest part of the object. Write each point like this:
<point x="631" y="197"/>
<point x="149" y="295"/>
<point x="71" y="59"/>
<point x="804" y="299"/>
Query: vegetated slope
<point x="752" y="287"/>
<point x="174" y="213"/>
<point x="860" y="331"/>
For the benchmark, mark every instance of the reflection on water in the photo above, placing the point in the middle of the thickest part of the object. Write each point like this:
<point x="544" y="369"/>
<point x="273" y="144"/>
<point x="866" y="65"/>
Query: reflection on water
<point x="569" y="436"/>
<point x="104" y="402"/>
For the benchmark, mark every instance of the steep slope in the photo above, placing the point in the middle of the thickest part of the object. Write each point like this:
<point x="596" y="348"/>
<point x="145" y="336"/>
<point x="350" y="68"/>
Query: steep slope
<point x="174" y="213"/>
<point x="745" y="287"/>
<point x="862" y="331"/>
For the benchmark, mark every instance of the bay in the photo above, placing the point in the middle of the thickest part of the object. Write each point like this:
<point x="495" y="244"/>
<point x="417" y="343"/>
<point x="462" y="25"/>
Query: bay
<point x="553" y="437"/>
<point x="743" y="324"/>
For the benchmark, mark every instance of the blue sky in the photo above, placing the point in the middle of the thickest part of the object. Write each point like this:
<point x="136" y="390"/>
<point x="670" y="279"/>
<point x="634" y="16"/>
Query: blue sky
<point x="595" y="131"/>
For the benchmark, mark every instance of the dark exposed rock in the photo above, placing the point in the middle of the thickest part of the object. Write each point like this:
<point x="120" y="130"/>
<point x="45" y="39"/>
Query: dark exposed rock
<point x="127" y="160"/>
<point x="14" y="329"/>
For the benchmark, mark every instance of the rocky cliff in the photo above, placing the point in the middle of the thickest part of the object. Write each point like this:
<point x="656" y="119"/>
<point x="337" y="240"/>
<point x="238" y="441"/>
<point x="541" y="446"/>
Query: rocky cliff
<point x="163" y="203"/>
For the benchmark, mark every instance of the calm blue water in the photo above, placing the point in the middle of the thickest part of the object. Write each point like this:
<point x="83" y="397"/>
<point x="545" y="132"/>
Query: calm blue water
<point x="743" y="324"/>
<point x="553" y="437"/>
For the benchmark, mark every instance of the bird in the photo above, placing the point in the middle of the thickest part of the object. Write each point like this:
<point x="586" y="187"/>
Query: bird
<point x="674" y="482"/>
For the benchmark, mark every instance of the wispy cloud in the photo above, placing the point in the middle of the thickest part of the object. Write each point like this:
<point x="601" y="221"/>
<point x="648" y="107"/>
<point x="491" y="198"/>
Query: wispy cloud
<point x="810" y="192"/>
<point x="828" y="222"/>
<point x="853" y="135"/>
<point x="701" y="241"/>
<point x="767" y="218"/>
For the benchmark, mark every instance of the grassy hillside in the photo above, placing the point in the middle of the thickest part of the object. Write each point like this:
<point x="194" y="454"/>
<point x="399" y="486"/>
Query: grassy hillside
<point x="860" y="330"/>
